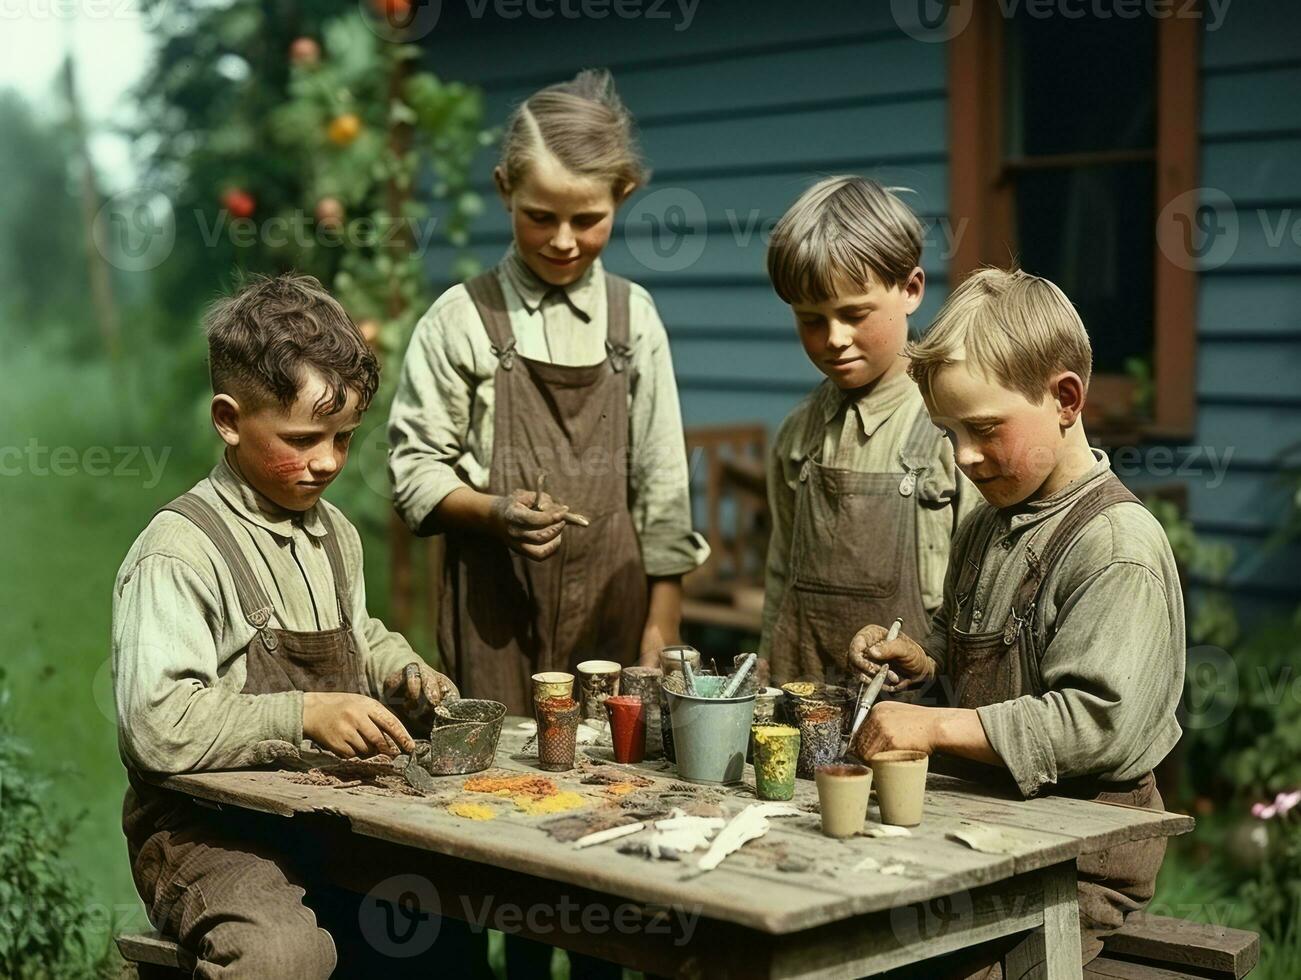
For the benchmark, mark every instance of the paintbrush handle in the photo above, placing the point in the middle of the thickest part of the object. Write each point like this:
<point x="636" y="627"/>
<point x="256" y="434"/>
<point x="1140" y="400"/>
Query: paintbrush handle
<point x="688" y="676"/>
<point x="866" y="700"/>
<point x="739" y="676"/>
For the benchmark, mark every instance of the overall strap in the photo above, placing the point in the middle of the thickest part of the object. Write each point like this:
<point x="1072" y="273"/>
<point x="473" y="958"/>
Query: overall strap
<point x="489" y="299"/>
<point x="618" y="329"/>
<point x="918" y="451"/>
<point x="335" y="555"/>
<point x="1109" y="492"/>
<point x="253" y="601"/>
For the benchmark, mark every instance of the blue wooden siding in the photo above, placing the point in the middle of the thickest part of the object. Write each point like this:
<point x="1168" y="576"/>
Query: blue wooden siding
<point x="1249" y="317"/>
<point x="748" y="105"/>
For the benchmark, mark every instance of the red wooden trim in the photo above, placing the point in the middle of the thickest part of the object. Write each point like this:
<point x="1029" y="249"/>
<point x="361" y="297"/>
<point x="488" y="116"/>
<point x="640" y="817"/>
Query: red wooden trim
<point x="1174" y="367"/>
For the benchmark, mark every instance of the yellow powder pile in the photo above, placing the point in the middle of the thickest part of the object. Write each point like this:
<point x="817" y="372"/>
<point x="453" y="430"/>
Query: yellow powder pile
<point x="556" y="803"/>
<point x="472" y="811"/>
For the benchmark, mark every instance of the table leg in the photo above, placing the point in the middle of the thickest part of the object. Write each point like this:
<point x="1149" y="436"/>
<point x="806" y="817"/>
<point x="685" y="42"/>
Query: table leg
<point x="1052" y="951"/>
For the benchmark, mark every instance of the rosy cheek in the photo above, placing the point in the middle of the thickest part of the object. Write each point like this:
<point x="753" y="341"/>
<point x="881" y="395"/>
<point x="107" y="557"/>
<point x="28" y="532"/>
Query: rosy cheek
<point x="282" y="467"/>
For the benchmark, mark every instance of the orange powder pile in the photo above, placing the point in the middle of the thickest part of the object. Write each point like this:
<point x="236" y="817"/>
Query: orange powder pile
<point x="533" y="787"/>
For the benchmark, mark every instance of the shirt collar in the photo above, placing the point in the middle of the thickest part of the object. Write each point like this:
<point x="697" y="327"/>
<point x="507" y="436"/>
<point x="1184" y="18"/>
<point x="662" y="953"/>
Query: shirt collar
<point x="1023" y="515"/>
<point x="579" y="295"/>
<point x="257" y="509"/>
<point x="872" y="408"/>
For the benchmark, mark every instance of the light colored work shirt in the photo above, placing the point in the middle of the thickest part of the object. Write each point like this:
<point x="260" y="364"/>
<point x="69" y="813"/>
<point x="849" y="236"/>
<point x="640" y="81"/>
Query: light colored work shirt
<point x="863" y="434"/>
<point x="1112" y="619"/>
<point x="179" y="633"/>
<point x="441" y="424"/>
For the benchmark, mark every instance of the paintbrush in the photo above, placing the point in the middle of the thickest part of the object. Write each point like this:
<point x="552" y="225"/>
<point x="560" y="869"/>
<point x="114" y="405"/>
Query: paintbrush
<point x="576" y="519"/>
<point x="739" y="676"/>
<point x="866" y="700"/>
<point x="688" y="676"/>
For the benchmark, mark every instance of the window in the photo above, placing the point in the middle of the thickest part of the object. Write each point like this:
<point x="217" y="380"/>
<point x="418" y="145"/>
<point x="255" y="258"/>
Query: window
<point x="1067" y="137"/>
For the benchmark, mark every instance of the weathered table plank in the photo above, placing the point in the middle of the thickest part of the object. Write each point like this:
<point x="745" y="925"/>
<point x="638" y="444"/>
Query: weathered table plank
<point x="748" y="889"/>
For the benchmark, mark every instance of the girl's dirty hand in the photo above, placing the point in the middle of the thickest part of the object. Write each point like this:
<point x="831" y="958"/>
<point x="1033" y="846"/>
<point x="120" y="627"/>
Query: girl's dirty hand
<point x="529" y="523"/>
<point x="415" y="690"/>
<point x="352" y="725"/>
<point x="896" y="725"/>
<point x="907" y="663"/>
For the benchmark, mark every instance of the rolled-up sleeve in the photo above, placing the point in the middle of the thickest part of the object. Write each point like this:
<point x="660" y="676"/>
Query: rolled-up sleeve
<point x="1106" y="675"/>
<point x="430" y="418"/>
<point x="173" y="713"/>
<point x="659" y="477"/>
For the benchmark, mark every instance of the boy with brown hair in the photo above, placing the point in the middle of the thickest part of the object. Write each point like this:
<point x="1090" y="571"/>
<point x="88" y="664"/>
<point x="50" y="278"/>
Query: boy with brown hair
<point x="240" y="630"/>
<point x="863" y="491"/>
<point x="1061" y="636"/>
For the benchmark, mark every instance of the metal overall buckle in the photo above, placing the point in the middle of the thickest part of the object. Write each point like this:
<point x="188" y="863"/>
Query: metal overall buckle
<point x="1012" y="629"/>
<point x="910" y="476"/>
<point x="259" y="619"/>
<point x="505" y="355"/>
<point x="620" y="355"/>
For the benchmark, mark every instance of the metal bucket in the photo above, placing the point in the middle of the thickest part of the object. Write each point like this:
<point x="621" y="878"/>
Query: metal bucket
<point x="710" y="735"/>
<point x="464" y="738"/>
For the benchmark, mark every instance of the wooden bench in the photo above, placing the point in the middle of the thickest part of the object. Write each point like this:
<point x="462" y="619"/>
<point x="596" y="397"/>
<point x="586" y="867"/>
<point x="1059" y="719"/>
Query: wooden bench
<point x="155" y="956"/>
<point x="1155" y="947"/>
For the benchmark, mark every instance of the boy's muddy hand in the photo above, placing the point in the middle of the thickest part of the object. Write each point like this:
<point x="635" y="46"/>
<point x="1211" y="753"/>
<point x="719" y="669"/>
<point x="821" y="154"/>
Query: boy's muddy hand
<point x="352" y="725"/>
<point x="415" y="690"/>
<point x="903" y="657"/>
<point x="896" y="725"/>
<point x="529" y="523"/>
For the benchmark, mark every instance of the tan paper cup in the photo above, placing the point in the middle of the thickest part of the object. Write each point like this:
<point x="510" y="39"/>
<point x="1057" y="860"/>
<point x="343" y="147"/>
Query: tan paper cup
<point x="553" y="684"/>
<point x="842" y="797"/>
<point x="900" y="778"/>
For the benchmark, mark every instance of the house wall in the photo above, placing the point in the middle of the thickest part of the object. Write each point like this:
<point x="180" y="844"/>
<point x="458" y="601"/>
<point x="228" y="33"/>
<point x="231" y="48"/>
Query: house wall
<point x="742" y="106"/>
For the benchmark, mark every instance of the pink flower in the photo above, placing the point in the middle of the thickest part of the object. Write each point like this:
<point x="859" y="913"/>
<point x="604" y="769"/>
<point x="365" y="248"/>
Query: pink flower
<point x="1264" y="811"/>
<point x="1286" y="801"/>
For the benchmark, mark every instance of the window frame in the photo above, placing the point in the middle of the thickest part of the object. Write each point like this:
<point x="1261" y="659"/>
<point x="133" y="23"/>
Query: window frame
<point x="981" y="194"/>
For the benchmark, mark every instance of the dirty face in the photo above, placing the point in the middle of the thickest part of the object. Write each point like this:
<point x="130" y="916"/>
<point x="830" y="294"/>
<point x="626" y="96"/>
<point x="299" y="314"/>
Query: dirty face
<point x="289" y="455"/>
<point x="1004" y="443"/>
<point x="856" y="338"/>
<point x="561" y="220"/>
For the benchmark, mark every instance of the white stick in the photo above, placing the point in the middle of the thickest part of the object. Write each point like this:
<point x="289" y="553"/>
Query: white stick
<point x="614" y="833"/>
<point x="865" y="701"/>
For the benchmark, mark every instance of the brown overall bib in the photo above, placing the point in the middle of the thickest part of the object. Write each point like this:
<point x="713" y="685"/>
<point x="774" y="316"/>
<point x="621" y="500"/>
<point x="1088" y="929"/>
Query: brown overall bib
<point x="208" y="878"/>
<point x="853" y="559"/>
<point x="987" y="668"/>
<point x="505" y="617"/>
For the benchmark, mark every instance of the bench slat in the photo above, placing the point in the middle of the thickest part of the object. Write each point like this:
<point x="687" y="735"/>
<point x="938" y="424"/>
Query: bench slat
<point x="1104" y="968"/>
<point x="154" y="949"/>
<point x="1232" y="952"/>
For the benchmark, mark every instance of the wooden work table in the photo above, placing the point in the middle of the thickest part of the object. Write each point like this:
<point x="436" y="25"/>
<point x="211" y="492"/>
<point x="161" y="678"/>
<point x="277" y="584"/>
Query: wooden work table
<point x="789" y="904"/>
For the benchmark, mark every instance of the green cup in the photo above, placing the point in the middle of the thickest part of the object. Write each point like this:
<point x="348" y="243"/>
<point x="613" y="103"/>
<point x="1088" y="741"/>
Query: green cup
<point x="776" y="752"/>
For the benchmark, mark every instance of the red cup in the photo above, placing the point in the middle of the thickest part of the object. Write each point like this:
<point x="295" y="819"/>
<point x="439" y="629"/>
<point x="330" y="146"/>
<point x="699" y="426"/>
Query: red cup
<point x="627" y="717"/>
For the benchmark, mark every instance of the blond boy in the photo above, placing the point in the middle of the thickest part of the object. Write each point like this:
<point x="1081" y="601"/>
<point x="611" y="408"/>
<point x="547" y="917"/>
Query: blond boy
<point x="1060" y="642"/>
<point x="863" y="490"/>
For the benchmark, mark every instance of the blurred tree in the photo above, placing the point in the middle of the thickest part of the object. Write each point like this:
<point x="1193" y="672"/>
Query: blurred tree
<point x="42" y="260"/>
